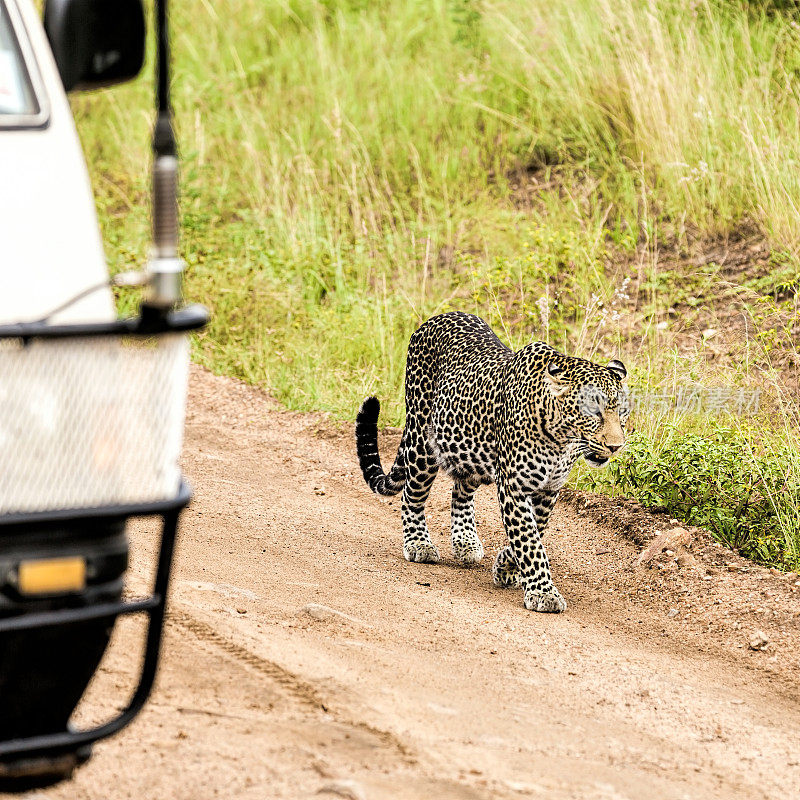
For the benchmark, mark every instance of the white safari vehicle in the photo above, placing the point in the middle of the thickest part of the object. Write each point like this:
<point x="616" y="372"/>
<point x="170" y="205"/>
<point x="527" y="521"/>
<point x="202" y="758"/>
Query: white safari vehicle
<point x="91" y="406"/>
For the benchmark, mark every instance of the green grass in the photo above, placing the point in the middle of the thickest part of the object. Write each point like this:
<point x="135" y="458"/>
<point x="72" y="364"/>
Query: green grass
<point x="350" y="168"/>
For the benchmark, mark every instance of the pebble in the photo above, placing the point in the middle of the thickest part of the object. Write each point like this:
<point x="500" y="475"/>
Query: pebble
<point x="320" y="612"/>
<point x="673" y="612"/>
<point x="450" y="712"/>
<point x="685" y="560"/>
<point x="349" y="789"/>
<point x="525" y="788"/>
<point x="668" y="540"/>
<point x="758" y="641"/>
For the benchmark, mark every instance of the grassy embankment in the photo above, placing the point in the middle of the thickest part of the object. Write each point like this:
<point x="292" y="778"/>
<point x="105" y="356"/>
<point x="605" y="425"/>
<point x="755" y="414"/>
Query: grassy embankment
<point x="559" y="168"/>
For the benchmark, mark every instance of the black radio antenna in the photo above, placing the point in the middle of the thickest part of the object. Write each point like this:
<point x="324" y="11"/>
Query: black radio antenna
<point x="165" y="267"/>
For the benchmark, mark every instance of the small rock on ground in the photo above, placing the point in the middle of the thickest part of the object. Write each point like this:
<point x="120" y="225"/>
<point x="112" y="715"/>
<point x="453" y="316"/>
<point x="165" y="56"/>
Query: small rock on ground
<point x="348" y="789"/>
<point x="320" y="612"/>
<point x="669" y="540"/>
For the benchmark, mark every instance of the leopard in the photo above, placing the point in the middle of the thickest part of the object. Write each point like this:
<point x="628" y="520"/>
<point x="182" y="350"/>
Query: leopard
<point x="486" y="414"/>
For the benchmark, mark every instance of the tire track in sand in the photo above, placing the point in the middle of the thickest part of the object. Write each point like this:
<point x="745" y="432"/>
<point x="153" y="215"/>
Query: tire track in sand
<point x="300" y="690"/>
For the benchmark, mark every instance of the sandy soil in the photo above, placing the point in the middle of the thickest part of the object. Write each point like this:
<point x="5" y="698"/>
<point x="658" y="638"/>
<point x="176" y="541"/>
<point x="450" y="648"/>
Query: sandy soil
<point x="304" y="657"/>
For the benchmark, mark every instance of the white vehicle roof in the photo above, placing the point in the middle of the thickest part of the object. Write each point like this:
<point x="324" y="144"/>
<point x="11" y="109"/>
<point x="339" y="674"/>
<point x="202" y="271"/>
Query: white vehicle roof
<point x="50" y="247"/>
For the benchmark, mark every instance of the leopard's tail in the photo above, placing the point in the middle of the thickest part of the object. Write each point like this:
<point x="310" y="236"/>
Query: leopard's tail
<point x="367" y="449"/>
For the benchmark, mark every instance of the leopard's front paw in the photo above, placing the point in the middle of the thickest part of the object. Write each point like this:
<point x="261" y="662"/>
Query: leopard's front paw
<point x="468" y="552"/>
<point x="421" y="552"/>
<point x="547" y="601"/>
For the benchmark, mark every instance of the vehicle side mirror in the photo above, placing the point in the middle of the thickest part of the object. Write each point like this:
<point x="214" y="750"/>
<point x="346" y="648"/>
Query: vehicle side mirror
<point x="95" y="42"/>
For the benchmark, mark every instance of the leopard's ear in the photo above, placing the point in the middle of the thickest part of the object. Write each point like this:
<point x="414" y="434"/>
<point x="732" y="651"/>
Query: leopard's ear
<point x="555" y="377"/>
<point x="618" y="369"/>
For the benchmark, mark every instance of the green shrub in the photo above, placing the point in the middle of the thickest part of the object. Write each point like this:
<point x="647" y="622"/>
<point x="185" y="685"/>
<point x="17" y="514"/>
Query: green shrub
<point x="746" y="494"/>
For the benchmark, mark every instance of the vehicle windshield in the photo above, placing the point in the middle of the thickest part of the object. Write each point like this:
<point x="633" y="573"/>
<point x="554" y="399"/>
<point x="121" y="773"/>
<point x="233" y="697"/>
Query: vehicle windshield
<point x="17" y="98"/>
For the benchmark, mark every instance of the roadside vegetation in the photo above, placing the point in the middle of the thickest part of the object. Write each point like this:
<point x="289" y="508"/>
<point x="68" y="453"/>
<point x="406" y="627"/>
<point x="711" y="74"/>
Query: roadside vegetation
<point x="618" y="178"/>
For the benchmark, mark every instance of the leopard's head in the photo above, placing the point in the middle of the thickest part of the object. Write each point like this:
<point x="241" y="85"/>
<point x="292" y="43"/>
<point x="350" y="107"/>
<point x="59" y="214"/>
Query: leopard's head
<point x="593" y="403"/>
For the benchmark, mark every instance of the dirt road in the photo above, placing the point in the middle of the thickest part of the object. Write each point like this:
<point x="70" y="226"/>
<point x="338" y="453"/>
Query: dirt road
<point x="305" y="658"/>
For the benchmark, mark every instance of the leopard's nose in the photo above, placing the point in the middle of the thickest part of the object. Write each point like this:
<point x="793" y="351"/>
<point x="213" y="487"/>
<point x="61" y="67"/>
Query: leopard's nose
<point x="612" y="448"/>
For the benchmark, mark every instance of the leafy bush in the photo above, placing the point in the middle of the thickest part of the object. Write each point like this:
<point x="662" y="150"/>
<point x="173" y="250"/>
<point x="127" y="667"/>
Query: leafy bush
<point x="747" y="498"/>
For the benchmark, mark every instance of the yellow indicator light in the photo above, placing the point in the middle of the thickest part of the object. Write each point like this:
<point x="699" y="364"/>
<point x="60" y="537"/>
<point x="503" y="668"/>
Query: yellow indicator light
<point x="52" y="575"/>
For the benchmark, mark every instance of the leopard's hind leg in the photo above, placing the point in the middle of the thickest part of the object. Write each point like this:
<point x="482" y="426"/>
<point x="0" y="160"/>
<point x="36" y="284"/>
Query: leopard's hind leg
<point x="421" y="469"/>
<point x="467" y="547"/>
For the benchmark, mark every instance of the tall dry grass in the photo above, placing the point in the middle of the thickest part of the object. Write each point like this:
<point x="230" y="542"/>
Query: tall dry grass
<point x="351" y="167"/>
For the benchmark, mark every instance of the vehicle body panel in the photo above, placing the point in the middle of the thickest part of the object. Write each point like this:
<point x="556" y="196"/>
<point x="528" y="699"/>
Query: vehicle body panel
<point x="50" y="246"/>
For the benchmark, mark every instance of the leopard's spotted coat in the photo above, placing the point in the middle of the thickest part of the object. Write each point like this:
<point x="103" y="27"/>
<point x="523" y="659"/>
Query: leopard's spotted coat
<point x="486" y="414"/>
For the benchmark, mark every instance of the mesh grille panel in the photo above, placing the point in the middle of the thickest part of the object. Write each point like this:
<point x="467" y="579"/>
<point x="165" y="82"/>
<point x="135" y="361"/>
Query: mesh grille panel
<point x="89" y="422"/>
